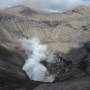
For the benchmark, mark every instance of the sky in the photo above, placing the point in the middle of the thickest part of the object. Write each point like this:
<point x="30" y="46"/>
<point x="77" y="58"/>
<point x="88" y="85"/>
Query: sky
<point x="9" y="3"/>
<point x="45" y="5"/>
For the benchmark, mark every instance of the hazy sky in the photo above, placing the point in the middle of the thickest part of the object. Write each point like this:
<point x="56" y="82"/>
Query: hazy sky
<point x="45" y="5"/>
<point x="55" y="5"/>
<point x="8" y="3"/>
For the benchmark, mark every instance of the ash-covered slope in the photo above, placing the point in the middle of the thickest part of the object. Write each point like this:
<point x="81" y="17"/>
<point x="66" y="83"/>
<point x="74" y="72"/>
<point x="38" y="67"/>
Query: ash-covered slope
<point x="65" y="30"/>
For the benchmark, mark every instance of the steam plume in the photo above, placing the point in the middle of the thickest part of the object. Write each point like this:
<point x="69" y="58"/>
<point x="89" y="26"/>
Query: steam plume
<point x="36" y="53"/>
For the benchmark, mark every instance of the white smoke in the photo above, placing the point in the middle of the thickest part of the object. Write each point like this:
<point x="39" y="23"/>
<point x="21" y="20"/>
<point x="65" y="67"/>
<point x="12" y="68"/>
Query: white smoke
<point x="55" y="5"/>
<point x="36" y="53"/>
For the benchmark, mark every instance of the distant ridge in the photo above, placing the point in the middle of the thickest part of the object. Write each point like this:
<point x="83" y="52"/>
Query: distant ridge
<point x="20" y="10"/>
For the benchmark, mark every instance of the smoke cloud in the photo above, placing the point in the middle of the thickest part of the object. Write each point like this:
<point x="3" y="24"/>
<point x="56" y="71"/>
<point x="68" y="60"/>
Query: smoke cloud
<point x="36" y="53"/>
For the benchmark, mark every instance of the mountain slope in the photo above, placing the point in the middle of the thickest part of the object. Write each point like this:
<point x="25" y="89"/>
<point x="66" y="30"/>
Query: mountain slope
<point x="69" y="29"/>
